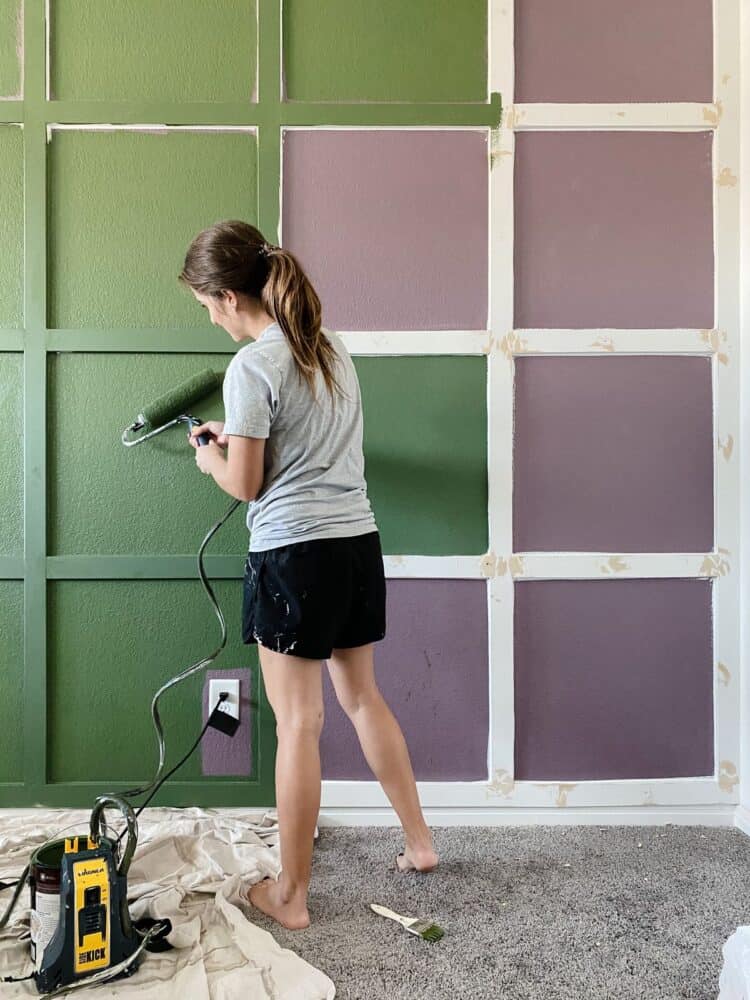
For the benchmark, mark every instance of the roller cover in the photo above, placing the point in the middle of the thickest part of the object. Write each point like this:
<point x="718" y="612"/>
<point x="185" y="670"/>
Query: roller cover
<point x="181" y="398"/>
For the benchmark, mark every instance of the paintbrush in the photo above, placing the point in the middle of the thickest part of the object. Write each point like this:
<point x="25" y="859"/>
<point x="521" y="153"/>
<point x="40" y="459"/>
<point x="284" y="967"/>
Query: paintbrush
<point x="421" y="926"/>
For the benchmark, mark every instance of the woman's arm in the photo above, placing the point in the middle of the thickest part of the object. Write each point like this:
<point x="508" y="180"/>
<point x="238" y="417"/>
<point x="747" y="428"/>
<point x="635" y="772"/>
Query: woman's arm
<point x="240" y="472"/>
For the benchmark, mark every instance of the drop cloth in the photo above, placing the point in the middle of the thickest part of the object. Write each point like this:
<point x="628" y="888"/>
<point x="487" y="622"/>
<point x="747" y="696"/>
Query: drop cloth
<point x="189" y="866"/>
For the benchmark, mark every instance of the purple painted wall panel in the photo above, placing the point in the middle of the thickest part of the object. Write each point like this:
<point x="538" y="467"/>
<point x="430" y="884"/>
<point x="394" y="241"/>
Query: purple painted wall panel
<point x="432" y="670"/>
<point x="613" y="454"/>
<point x="613" y="230"/>
<point x="610" y="51"/>
<point x="613" y="679"/>
<point x="223" y="754"/>
<point x="390" y="225"/>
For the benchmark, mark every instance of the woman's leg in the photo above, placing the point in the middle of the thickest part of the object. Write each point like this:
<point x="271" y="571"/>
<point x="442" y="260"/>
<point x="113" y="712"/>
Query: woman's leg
<point x="294" y="688"/>
<point x="384" y="747"/>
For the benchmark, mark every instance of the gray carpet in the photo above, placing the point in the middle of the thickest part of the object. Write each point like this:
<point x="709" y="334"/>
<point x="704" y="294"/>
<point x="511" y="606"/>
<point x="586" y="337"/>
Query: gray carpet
<point x="620" y="922"/>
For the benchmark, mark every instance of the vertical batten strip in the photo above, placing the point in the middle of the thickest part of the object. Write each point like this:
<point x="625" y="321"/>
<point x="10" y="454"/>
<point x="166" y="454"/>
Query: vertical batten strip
<point x="726" y="367"/>
<point x="742" y="560"/>
<point x="269" y="134"/>
<point x="500" y="764"/>
<point x="34" y="404"/>
<point x="269" y="62"/>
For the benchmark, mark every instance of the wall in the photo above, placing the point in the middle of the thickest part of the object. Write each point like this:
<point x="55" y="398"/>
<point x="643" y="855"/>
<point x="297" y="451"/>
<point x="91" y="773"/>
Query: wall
<point x="520" y="253"/>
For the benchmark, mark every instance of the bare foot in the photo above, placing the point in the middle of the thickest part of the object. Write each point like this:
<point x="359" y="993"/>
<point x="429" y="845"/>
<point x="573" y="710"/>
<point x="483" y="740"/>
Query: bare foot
<point x="413" y="859"/>
<point x="265" y="895"/>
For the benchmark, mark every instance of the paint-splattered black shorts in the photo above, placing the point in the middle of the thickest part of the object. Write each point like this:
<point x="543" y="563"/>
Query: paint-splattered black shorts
<point x="310" y="597"/>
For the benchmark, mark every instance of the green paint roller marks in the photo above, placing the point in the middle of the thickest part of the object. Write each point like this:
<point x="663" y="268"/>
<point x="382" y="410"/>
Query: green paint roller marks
<point x="179" y="399"/>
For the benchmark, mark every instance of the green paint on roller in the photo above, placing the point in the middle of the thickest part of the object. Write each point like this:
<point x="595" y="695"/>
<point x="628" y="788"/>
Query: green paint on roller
<point x="181" y="398"/>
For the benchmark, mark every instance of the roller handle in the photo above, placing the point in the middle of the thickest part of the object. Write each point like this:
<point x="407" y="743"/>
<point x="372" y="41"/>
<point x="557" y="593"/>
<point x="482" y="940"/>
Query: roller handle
<point x="202" y="438"/>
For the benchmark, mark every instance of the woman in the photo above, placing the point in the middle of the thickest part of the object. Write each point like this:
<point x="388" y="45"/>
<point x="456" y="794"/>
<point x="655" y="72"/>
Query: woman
<point x="314" y="587"/>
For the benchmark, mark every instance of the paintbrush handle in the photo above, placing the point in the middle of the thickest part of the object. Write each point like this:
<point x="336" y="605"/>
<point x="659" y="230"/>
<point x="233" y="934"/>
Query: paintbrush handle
<point x="385" y="912"/>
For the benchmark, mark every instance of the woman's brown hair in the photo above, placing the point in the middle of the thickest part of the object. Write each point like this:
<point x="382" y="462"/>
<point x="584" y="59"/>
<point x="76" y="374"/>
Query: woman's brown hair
<point x="235" y="255"/>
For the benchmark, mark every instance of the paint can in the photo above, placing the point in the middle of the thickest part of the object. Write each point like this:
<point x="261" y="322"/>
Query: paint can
<point x="44" y="882"/>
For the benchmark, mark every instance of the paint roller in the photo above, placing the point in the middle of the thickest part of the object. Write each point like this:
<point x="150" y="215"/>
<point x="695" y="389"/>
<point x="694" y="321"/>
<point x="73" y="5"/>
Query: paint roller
<point x="172" y="407"/>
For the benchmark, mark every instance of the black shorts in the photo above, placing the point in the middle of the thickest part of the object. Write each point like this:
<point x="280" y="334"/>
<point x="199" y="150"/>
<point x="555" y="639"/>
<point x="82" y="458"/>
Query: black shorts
<point x="310" y="597"/>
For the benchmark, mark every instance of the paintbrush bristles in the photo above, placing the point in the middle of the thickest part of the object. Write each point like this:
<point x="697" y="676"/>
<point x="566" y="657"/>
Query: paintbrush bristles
<point x="432" y="933"/>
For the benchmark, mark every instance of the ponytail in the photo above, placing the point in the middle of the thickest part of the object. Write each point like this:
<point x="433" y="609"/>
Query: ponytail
<point x="234" y="255"/>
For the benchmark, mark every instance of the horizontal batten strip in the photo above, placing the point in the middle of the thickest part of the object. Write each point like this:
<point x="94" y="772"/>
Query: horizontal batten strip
<point x="395" y="342"/>
<point x="11" y="112"/>
<point x="610" y="566"/>
<point x="521" y="566"/>
<point x="11" y="340"/>
<point x="434" y="567"/>
<point x="159" y="113"/>
<point x="385" y="342"/>
<point x="115" y="567"/>
<point x="687" y="115"/>
<point x="417" y="342"/>
<point x="363" y="114"/>
<point x="615" y="341"/>
<point x="184" y="567"/>
<point x="213" y="791"/>
<point x="11" y="568"/>
<point x="140" y="341"/>
<point x="156" y="128"/>
<point x="291" y="113"/>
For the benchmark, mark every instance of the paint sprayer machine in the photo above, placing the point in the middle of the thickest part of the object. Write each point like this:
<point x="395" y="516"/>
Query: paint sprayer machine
<point x="81" y="932"/>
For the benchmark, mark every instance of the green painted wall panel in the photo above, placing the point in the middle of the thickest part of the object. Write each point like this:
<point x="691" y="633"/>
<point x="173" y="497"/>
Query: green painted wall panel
<point x="123" y="208"/>
<point x="174" y="50"/>
<point x="120" y="207"/>
<point x="11" y="41"/>
<point x="112" y="645"/>
<point x="104" y="497"/>
<point x="11" y="225"/>
<point x="424" y="50"/>
<point x="11" y="481"/>
<point x="425" y="457"/>
<point x="11" y="680"/>
<point x="425" y="443"/>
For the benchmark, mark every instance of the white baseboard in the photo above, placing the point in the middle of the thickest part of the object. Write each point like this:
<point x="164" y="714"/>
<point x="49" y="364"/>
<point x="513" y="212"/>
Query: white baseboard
<point x="716" y="816"/>
<point x="742" y="819"/>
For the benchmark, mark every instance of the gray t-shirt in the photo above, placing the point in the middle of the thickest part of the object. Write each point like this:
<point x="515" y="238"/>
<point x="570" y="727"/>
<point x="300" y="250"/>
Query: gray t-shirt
<point x="313" y="482"/>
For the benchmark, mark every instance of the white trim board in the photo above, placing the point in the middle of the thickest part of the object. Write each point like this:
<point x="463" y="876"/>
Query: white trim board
<point x="743" y="287"/>
<point x="714" y="816"/>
